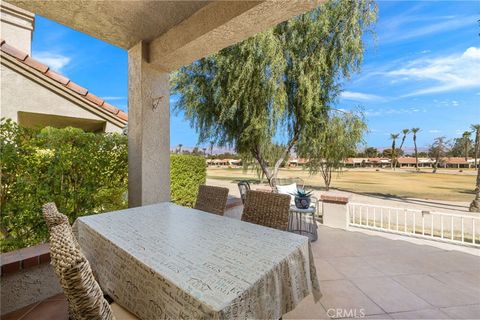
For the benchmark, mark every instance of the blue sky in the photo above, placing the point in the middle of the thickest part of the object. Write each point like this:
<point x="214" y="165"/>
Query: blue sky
<point x="423" y="70"/>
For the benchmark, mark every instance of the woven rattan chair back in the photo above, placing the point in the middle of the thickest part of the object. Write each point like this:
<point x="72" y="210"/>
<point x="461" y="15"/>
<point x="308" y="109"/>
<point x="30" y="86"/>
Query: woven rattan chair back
<point x="212" y="199"/>
<point x="84" y="295"/>
<point x="243" y="187"/>
<point x="267" y="209"/>
<point x="286" y="181"/>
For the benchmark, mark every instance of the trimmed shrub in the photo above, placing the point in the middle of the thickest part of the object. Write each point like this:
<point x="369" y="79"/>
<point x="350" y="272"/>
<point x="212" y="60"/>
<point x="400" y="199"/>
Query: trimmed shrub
<point x="187" y="174"/>
<point x="83" y="173"/>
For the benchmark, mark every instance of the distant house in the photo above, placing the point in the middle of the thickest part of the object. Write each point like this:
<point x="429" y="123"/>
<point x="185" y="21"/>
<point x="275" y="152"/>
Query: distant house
<point x="34" y="95"/>
<point x="410" y="162"/>
<point x="224" y="162"/>
<point x="458" y="162"/>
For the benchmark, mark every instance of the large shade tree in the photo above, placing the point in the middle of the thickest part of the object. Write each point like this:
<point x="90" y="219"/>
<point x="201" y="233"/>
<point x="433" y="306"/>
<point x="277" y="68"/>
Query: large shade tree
<point x="338" y="139"/>
<point x="273" y="87"/>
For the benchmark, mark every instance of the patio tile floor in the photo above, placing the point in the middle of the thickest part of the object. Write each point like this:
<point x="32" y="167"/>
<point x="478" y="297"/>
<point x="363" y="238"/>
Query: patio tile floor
<point x="368" y="275"/>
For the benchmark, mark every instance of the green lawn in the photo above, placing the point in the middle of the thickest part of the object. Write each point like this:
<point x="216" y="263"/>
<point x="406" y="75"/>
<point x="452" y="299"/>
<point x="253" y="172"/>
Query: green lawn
<point x="447" y="185"/>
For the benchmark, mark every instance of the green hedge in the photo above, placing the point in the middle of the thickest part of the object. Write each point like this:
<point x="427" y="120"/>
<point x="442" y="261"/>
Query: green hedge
<point x="187" y="172"/>
<point x="83" y="173"/>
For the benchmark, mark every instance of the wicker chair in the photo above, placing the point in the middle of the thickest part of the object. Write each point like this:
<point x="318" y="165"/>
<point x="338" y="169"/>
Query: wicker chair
<point x="83" y="293"/>
<point x="212" y="199"/>
<point x="267" y="209"/>
<point x="285" y="181"/>
<point x="243" y="187"/>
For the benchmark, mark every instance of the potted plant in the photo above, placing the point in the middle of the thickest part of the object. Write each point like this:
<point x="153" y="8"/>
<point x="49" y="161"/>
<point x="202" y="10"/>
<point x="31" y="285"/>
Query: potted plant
<point x="302" y="198"/>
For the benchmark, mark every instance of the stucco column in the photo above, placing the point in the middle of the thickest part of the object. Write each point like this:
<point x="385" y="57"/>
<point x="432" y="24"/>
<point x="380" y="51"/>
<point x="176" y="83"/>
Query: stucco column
<point x="148" y="130"/>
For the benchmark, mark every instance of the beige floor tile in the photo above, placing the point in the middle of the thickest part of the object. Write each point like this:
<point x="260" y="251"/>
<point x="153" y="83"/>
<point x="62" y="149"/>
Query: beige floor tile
<point x="460" y="279"/>
<point x="421" y="314"/>
<point x="436" y="292"/>
<point x="325" y="271"/>
<point x="332" y="250"/>
<point x="448" y="261"/>
<point x="463" y="312"/>
<point x="383" y="316"/>
<point x="343" y="294"/>
<point x="307" y="309"/>
<point x="354" y="267"/>
<point x="396" y="265"/>
<point x="390" y="295"/>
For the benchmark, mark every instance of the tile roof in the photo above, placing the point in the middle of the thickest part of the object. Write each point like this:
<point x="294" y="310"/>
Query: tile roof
<point x="457" y="160"/>
<point x="67" y="83"/>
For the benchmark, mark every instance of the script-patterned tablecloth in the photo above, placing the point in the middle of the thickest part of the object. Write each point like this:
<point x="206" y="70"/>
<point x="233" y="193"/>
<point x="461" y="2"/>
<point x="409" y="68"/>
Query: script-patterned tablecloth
<point x="167" y="261"/>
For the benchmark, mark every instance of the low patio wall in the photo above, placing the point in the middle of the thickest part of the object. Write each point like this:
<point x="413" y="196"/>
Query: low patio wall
<point x="334" y="211"/>
<point x="27" y="277"/>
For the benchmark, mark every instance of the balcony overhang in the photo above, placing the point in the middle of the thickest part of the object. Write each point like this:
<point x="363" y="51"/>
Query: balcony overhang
<point x="178" y="32"/>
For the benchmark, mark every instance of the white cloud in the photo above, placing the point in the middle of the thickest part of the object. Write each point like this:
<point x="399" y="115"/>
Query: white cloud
<point x="442" y="24"/>
<point x="450" y="73"/>
<point x="53" y="60"/>
<point x="392" y="111"/>
<point x="434" y="131"/>
<point x="359" y="96"/>
<point x="425" y="51"/>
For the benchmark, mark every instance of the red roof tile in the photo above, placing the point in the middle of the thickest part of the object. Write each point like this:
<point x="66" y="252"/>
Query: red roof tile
<point x="93" y="98"/>
<point x="455" y="160"/>
<point x="36" y="64"/>
<point x="57" y="77"/>
<point x="406" y="160"/>
<point x="45" y="70"/>
<point x="122" y="115"/>
<point x="107" y="106"/>
<point x="14" y="52"/>
<point x="78" y="89"/>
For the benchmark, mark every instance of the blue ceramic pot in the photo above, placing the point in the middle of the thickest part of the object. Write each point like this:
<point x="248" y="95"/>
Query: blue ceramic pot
<point x="302" y="202"/>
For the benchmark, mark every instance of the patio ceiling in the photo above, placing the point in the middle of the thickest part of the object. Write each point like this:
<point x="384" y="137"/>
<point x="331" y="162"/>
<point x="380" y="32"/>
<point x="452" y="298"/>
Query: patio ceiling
<point x="179" y="32"/>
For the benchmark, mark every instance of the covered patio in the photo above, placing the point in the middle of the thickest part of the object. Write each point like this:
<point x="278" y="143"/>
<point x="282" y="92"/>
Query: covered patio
<point x="367" y="276"/>
<point x="360" y="275"/>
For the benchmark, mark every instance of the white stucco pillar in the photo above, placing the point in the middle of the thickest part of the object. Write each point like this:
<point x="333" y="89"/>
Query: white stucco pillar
<point x="148" y="130"/>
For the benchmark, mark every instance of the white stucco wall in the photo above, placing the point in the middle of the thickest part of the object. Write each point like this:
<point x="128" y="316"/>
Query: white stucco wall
<point x="18" y="93"/>
<point x="16" y="26"/>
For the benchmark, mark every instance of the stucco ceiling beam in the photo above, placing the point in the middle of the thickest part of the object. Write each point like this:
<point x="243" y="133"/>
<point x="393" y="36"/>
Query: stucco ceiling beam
<point x="219" y="25"/>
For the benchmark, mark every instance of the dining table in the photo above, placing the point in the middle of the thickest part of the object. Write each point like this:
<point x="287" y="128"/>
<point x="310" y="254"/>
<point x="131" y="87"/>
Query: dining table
<point x="167" y="261"/>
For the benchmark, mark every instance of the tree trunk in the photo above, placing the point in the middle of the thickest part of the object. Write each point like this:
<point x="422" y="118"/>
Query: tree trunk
<point x="263" y="164"/>
<point x="326" y="171"/>
<point x="416" y="152"/>
<point x="435" y="165"/>
<point x="272" y="174"/>
<point x="466" y="151"/>
<point x="475" y="205"/>
<point x="477" y="147"/>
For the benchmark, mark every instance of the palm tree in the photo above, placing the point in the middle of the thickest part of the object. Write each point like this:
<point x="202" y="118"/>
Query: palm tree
<point x="394" y="137"/>
<point x="211" y="147"/>
<point x="466" y="143"/>
<point x="405" y="132"/>
<point x="204" y="151"/>
<point x="438" y="149"/>
<point x="180" y="148"/>
<point x="475" y="205"/>
<point x="415" y="131"/>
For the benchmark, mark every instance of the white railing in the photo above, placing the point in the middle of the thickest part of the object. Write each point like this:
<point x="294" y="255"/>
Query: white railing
<point x="440" y="226"/>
